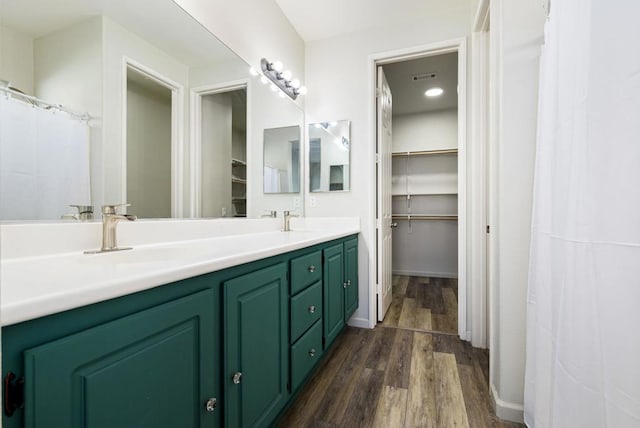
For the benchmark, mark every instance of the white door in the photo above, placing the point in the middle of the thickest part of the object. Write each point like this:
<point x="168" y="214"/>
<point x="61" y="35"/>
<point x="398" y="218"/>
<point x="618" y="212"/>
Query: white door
<point x="384" y="194"/>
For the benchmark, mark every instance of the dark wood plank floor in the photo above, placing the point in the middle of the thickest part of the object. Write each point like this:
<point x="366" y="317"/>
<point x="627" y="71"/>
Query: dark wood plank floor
<point x="397" y="375"/>
<point x="424" y="304"/>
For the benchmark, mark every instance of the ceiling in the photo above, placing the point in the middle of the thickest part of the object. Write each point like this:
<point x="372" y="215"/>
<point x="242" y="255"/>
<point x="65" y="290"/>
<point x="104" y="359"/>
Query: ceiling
<point x="314" y="20"/>
<point x="408" y="94"/>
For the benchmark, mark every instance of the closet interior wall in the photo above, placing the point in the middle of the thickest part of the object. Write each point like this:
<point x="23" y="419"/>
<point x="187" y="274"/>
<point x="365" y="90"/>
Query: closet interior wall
<point x="425" y="200"/>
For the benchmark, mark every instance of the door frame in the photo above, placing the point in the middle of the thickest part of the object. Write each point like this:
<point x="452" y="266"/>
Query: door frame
<point x="375" y="60"/>
<point x="195" y="138"/>
<point x="177" y="131"/>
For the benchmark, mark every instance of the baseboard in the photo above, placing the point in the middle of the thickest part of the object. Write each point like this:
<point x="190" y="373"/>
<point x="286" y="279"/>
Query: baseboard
<point x="423" y="273"/>
<point x="513" y="412"/>
<point x="359" y="322"/>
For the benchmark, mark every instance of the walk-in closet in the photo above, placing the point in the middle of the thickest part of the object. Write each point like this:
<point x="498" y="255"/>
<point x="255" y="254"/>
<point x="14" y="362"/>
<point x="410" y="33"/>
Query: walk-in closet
<point x="425" y="193"/>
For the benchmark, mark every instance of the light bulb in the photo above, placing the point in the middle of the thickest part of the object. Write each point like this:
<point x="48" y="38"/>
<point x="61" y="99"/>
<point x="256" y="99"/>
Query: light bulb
<point x="317" y="125"/>
<point x="286" y="75"/>
<point x="434" y="92"/>
<point x="274" y="87"/>
<point x="277" y="66"/>
<point x="264" y="79"/>
<point x="295" y="83"/>
<point x="253" y="71"/>
<point x="302" y="90"/>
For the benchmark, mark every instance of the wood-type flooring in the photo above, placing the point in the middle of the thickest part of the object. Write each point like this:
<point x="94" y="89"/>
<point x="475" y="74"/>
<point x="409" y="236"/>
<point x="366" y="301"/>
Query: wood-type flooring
<point x="398" y="375"/>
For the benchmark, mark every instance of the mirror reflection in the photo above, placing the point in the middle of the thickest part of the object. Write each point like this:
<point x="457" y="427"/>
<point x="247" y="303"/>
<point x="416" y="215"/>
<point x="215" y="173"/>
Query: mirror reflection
<point x="329" y="148"/>
<point x="106" y="106"/>
<point x="282" y="160"/>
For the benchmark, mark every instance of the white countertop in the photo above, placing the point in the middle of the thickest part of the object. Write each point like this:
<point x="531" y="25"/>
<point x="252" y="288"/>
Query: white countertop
<point x="33" y="287"/>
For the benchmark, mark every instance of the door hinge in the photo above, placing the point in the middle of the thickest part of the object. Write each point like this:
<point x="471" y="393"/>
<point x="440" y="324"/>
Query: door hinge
<point x="13" y="393"/>
<point x="488" y="229"/>
<point x="378" y="92"/>
<point x="377" y="157"/>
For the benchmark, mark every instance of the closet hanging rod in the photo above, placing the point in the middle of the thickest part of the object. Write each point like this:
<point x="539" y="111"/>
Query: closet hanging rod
<point x="40" y="103"/>
<point x="424" y="217"/>
<point x="426" y="152"/>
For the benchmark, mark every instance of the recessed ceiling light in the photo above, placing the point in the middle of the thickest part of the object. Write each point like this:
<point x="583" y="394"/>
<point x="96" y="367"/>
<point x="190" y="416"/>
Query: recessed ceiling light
<point x="434" y="92"/>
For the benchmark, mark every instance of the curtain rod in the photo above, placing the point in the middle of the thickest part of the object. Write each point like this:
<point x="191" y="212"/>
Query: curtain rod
<point x="39" y="103"/>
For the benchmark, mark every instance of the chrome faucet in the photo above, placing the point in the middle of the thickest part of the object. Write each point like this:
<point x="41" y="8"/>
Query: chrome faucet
<point x="287" y="221"/>
<point x="110" y="219"/>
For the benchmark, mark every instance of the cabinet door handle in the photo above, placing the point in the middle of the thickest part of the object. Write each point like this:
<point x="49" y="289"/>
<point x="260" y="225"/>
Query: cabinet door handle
<point x="344" y="285"/>
<point x="211" y="404"/>
<point x="312" y="268"/>
<point x="348" y="283"/>
<point x="237" y="377"/>
<point x="312" y="309"/>
<point x="312" y="352"/>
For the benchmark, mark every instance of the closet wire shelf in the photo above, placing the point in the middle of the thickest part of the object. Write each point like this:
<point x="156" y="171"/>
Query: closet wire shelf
<point x="411" y="217"/>
<point x="426" y="152"/>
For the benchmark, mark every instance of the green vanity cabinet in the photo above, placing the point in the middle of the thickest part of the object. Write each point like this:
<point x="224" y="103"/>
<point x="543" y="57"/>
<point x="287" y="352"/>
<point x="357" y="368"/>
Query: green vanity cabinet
<point x="256" y="343"/>
<point x="149" y="369"/>
<point x="351" y="277"/>
<point x="333" y="277"/>
<point x="228" y="348"/>
<point x="340" y="287"/>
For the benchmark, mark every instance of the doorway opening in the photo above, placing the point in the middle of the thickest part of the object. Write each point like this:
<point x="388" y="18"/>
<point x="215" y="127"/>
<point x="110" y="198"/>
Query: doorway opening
<point x="148" y="145"/>
<point x="219" y="151"/>
<point x="421" y="175"/>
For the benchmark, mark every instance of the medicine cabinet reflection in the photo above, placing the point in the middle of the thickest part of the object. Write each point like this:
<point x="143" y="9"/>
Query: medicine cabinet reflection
<point x="329" y="148"/>
<point x="282" y="160"/>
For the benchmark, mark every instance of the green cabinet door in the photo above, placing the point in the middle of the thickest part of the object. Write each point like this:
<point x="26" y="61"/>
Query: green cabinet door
<point x="333" y="305"/>
<point x="150" y="369"/>
<point x="256" y="347"/>
<point x="351" y="278"/>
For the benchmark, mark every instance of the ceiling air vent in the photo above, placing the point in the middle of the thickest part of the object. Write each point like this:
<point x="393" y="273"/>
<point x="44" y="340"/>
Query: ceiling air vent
<point x="424" y="76"/>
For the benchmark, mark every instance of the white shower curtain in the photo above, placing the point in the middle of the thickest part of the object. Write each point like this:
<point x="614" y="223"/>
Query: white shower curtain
<point x="583" y="309"/>
<point x="44" y="162"/>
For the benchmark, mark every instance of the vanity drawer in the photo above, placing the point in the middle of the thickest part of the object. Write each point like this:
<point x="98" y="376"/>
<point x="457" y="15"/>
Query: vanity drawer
<point x="305" y="271"/>
<point x="305" y="353"/>
<point x="306" y="308"/>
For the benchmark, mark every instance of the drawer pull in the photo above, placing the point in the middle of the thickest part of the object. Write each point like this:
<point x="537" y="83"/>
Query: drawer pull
<point x="312" y="268"/>
<point x="312" y="309"/>
<point x="236" y="378"/>
<point x="344" y="285"/>
<point x="210" y="405"/>
<point x="312" y="352"/>
<point x="348" y="283"/>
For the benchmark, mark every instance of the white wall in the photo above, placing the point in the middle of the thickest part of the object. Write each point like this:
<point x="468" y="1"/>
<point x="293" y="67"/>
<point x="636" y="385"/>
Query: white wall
<point x="118" y="44"/>
<point x="425" y="131"/>
<point x="216" y="155"/>
<point x="148" y="151"/>
<point x="16" y="59"/>
<point x="516" y="36"/>
<point x="337" y="75"/>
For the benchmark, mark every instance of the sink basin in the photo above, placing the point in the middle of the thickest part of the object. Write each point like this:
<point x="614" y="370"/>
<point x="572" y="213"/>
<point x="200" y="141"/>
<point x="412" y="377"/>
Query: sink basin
<point x="139" y="255"/>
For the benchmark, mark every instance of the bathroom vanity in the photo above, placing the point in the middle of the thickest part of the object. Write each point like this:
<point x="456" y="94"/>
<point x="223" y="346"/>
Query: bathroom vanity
<point x="229" y="344"/>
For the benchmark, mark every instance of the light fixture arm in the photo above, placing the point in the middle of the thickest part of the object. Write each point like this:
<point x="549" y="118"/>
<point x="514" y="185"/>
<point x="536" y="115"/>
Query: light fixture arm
<point x="270" y="72"/>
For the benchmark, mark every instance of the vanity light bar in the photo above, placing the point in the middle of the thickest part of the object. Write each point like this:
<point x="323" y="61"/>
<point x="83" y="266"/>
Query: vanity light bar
<point x="282" y="79"/>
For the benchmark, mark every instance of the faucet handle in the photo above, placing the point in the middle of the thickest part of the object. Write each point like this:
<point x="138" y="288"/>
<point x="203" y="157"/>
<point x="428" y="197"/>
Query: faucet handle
<point x="288" y="214"/>
<point x="272" y="214"/>
<point x="112" y="208"/>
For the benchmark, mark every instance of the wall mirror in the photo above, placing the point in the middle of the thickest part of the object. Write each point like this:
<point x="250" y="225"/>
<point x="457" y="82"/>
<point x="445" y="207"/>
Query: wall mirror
<point x="282" y="160"/>
<point x="169" y="121"/>
<point x="329" y="149"/>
